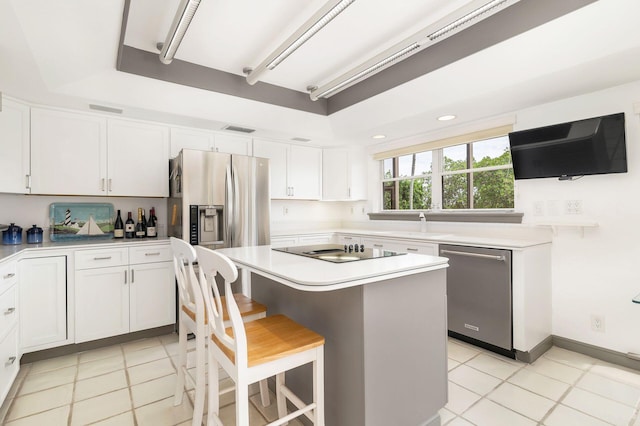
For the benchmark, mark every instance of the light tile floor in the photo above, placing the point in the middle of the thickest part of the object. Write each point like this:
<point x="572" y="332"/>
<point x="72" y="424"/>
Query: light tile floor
<point x="561" y="388"/>
<point x="133" y="384"/>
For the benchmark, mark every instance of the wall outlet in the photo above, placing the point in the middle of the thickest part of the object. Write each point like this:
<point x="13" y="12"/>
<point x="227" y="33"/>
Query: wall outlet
<point x="597" y="323"/>
<point x="573" y="207"/>
<point x="538" y="208"/>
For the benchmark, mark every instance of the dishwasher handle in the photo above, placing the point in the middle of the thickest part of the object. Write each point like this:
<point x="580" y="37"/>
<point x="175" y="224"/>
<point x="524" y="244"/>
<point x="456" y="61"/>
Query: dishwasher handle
<point x="477" y="255"/>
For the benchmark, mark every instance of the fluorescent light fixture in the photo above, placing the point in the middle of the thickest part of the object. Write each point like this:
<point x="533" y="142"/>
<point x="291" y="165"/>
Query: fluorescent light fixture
<point x="378" y="136"/>
<point x="314" y="24"/>
<point x="440" y="30"/>
<point x="446" y="117"/>
<point x="181" y="22"/>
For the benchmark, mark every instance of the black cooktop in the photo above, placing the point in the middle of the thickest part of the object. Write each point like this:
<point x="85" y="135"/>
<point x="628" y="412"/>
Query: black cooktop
<point x="337" y="253"/>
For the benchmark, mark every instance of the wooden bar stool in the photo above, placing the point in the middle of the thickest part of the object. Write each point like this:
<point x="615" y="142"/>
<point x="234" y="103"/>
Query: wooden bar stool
<point x="250" y="352"/>
<point x="193" y="319"/>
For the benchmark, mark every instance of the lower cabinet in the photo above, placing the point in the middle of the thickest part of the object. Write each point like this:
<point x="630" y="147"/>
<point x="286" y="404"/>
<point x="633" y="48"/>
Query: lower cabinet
<point x="403" y="246"/>
<point x="301" y="240"/>
<point x="123" y="290"/>
<point x="9" y="351"/>
<point x="43" y="302"/>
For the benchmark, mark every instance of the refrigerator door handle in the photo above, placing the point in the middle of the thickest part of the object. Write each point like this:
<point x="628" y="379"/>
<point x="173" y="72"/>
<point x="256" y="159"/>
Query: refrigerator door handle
<point x="229" y="197"/>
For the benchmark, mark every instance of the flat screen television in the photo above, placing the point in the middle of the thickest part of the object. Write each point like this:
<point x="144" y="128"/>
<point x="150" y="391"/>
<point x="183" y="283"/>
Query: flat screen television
<point x="584" y="147"/>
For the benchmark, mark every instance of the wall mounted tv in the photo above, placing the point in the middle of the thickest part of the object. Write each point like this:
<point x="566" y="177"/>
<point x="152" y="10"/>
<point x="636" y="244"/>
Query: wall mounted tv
<point x="585" y="147"/>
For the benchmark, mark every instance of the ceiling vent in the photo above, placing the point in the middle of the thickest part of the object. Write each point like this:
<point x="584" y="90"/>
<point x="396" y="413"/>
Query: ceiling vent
<point x="238" y="129"/>
<point x="301" y="140"/>
<point x="105" y="109"/>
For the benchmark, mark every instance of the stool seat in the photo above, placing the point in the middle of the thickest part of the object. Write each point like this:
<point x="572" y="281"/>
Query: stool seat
<point x="272" y="338"/>
<point x="247" y="306"/>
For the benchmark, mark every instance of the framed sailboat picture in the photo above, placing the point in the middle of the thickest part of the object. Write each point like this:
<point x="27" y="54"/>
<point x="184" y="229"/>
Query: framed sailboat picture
<point x="74" y="221"/>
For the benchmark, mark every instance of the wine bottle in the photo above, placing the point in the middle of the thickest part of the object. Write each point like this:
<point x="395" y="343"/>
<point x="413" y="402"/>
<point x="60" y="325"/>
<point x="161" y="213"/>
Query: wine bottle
<point x="141" y="228"/>
<point x="151" y="224"/>
<point x="129" y="227"/>
<point x="118" y="227"/>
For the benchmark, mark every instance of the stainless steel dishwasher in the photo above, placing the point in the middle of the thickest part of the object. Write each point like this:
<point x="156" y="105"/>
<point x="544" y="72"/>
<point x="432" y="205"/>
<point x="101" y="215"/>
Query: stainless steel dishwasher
<point x="479" y="307"/>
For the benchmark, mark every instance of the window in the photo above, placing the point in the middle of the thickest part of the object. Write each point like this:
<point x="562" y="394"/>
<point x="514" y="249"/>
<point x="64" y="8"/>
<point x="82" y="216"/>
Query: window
<point x="475" y="175"/>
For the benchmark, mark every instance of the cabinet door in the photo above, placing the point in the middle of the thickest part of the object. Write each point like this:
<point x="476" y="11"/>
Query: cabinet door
<point x="14" y="145"/>
<point x="233" y="144"/>
<point x="102" y="303"/>
<point x="43" y="302"/>
<point x="190" y="139"/>
<point x="152" y="295"/>
<point x="357" y="175"/>
<point x="138" y="159"/>
<point x="335" y="183"/>
<point x="9" y="362"/>
<point x="68" y="153"/>
<point x="305" y="172"/>
<point x="349" y="239"/>
<point x="277" y="154"/>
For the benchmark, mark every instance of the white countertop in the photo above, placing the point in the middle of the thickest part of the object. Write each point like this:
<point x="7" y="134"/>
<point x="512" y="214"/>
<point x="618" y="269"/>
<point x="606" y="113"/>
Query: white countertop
<point x="433" y="237"/>
<point x="309" y="274"/>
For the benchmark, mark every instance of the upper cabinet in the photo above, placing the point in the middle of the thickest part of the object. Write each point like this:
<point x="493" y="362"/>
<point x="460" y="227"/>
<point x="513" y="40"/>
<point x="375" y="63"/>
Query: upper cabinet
<point x="344" y="174"/>
<point x="68" y="153"/>
<point x="87" y="154"/>
<point x="138" y="162"/>
<point x="14" y="144"/>
<point x="183" y="137"/>
<point x="296" y="171"/>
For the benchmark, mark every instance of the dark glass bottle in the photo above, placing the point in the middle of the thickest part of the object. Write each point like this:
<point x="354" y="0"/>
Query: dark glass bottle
<point x="152" y="232"/>
<point x="141" y="227"/>
<point x="129" y="227"/>
<point x="118" y="227"/>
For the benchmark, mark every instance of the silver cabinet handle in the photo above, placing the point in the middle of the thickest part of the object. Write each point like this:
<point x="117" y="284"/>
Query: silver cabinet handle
<point x="10" y="361"/>
<point x="9" y="311"/>
<point x="102" y="184"/>
<point x="153" y="254"/>
<point x="102" y="258"/>
<point x="125" y="277"/>
<point x="10" y="275"/>
<point x="378" y="245"/>
<point x="411" y="249"/>
<point x="477" y="255"/>
<point x="349" y="192"/>
<point x="109" y="185"/>
<point x="132" y="277"/>
<point x="27" y="181"/>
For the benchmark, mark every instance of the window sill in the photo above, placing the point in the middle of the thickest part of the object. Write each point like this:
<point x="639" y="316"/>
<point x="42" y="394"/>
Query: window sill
<point x="501" y="216"/>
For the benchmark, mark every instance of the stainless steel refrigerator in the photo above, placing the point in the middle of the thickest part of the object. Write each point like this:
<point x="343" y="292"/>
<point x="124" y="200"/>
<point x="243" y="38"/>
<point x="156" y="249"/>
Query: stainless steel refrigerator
<point x="219" y="200"/>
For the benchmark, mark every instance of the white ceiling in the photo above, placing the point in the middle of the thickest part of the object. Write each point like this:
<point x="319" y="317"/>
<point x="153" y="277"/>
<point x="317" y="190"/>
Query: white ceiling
<point x="63" y="52"/>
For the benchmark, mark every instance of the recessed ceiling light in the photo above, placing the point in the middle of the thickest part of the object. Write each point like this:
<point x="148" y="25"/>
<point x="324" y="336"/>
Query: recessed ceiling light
<point x="379" y="136"/>
<point x="446" y="117"/>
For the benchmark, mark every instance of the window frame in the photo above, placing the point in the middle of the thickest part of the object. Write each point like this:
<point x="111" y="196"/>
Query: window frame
<point x="437" y="176"/>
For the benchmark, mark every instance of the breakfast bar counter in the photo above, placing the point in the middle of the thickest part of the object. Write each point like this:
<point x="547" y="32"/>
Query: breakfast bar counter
<point x="384" y="321"/>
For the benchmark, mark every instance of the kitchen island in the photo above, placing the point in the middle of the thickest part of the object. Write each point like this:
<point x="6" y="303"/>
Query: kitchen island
<point x="384" y="321"/>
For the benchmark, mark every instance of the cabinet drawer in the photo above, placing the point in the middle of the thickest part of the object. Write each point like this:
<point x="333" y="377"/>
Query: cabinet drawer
<point x="9" y="362"/>
<point x="8" y="275"/>
<point x="8" y="310"/>
<point x="149" y="254"/>
<point x="402" y="246"/>
<point x="101" y="258"/>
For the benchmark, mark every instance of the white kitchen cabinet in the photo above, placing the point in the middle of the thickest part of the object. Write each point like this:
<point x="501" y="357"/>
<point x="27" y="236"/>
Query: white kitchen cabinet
<point x="43" y="302"/>
<point x="9" y="351"/>
<point x="138" y="156"/>
<point x="287" y="241"/>
<point x="402" y="246"/>
<point x="15" y="147"/>
<point x="187" y="138"/>
<point x="86" y="154"/>
<point x="206" y="140"/>
<point x="348" y="239"/>
<point x="344" y="174"/>
<point x="152" y="293"/>
<point x="296" y="171"/>
<point x="301" y="240"/>
<point x="68" y="153"/>
<point x="123" y="290"/>
<point x="232" y="144"/>
<point x="102" y="303"/>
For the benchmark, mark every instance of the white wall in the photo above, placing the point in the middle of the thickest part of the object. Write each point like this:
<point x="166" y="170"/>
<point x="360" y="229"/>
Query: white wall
<point x="594" y="274"/>
<point x="298" y="216"/>
<point x="27" y="210"/>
